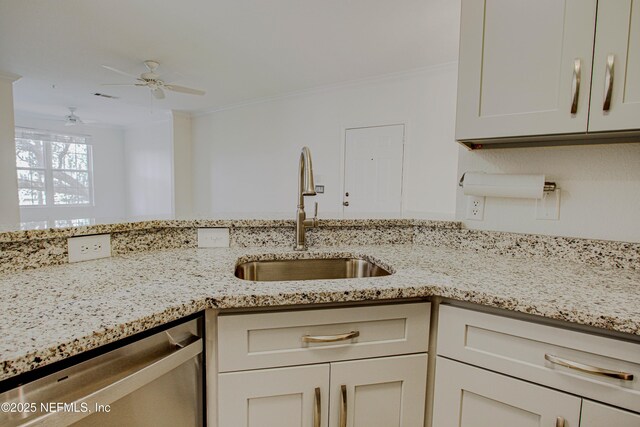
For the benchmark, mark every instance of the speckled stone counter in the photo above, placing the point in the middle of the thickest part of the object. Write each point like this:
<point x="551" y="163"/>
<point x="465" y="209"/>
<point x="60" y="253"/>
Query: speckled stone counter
<point x="34" y="248"/>
<point x="54" y="312"/>
<point x="20" y="250"/>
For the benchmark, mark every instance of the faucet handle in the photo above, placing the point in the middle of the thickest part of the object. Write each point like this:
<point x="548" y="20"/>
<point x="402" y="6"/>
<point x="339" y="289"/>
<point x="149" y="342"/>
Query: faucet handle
<point x="315" y="211"/>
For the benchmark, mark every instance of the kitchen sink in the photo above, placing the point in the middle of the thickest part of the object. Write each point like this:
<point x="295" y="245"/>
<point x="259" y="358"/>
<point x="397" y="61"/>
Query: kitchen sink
<point x="308" y="269"/>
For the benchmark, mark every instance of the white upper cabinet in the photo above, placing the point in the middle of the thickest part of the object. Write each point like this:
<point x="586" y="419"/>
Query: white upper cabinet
<point x="525" y="67"/>
<point x="615" y="93"/>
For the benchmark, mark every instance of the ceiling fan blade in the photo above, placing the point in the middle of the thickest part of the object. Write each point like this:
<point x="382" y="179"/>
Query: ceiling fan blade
<point x="122" y="84"/>
<point x="115" y="70"/>
<point x="158" y="93"/>
<point x="183" y="89"/>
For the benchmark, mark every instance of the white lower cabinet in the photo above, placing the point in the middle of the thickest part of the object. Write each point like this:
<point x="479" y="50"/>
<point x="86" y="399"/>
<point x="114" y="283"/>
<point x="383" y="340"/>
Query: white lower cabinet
<point x="494" y="371"/>
<point x="467" y="396"/>
<point x="340" y="367"/>
<point x="281" y="397"/>
<point x="599" y="415"/>
<point x="383" y="392"/>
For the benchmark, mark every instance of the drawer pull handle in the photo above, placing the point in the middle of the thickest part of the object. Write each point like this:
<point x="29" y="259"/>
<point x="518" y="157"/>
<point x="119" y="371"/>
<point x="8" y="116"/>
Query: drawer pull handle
<point x="316" y="408"/>
<point x="559" y="422"/>
<point x="330" y="338"/>
<point x="575" y="86"/>
<point x="343" y="406"/>
<point x="608" y="83"/>
<point x="588" y="369"/>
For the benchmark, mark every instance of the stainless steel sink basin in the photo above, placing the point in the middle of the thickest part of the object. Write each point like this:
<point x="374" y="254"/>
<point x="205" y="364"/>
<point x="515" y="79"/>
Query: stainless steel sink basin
<point x="308" y="269"/>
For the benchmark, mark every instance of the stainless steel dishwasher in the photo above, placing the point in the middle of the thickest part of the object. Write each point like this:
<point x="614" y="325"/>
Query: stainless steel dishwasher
<point x="154" y="381"/>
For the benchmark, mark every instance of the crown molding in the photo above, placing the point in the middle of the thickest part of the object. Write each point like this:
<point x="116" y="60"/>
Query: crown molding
<point x="5" y="75"/>
<point x="181" y="113"/>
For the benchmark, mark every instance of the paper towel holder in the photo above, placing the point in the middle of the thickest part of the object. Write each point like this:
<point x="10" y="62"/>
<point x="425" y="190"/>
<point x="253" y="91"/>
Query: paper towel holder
<point x="548" y="186"/>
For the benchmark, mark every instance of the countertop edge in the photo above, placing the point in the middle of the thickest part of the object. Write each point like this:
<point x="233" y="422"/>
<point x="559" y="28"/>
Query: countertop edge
<point x="40" y="358"/>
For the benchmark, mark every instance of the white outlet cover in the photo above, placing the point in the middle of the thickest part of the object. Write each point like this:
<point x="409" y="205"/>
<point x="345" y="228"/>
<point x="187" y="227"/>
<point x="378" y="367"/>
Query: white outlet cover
<point x="213" y="237"/>
<point x="548" y="208"/>
<point x="475" y="208"/>
<point x="85" y="248"/>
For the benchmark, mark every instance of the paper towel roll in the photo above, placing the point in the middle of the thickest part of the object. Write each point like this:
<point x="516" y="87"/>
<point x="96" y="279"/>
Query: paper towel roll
<point x="503" y="185"/>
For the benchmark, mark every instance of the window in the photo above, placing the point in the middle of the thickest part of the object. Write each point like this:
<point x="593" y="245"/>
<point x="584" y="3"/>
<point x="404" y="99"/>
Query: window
<point x="53" y="169"/>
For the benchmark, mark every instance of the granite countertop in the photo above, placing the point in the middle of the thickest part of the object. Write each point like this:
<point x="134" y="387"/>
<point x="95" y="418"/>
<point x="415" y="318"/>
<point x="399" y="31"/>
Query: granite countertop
<point x="51" y="313"/>
<point x="24" y="231"/>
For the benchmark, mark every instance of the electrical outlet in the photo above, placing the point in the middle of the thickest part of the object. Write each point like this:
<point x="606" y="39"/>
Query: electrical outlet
<point x="475" y="208"/>
<point x="213" y="237"/>
<point x="85" y="248"/>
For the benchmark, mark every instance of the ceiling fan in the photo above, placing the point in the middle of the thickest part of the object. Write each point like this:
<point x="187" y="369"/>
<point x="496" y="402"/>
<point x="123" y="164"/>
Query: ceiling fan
<point x="153" y="81"/>
<point x="72" y="119"/>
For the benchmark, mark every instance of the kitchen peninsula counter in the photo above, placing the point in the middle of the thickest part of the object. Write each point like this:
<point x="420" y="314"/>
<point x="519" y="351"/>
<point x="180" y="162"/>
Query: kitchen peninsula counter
<point x="51" y="313"/>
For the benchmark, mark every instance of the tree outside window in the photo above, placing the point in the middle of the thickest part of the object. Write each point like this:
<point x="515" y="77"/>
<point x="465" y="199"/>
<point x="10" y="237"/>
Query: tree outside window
<point x="53" y="169"/>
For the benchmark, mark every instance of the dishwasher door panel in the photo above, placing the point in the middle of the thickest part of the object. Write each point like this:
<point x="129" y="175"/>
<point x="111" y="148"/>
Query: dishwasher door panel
<point x="154" y="381"/>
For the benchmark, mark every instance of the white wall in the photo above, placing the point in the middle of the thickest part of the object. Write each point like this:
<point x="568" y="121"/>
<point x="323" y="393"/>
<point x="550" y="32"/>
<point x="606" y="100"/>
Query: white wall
<point x="108" y="173"/>
<point x="182" y="165"/>
<point x="600" y="187"/>
<point x="148" y="156"/>
<point x="245" y="159"/>
<point x="9" y="213"/>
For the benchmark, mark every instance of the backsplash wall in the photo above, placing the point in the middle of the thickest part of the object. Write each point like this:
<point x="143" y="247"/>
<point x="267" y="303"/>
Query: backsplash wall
<point x="600" y="187"/>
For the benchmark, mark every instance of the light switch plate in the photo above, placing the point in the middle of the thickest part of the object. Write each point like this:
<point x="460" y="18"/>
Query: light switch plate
<point x="85" y="248"/>
<point x="213" y="237"/>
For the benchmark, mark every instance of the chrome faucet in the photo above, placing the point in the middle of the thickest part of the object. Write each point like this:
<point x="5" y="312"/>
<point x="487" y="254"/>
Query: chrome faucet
<point x="306" y="187"/>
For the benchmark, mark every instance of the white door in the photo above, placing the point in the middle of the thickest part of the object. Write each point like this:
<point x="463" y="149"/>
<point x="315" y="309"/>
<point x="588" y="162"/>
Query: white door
<point x="599" y="415"/>
<point x="466" y="396"/>
<point x="517" y="67"/>
<point x="616" y="67"/>
<point x="373" y="171"/>
<point x="282" y="397"/>
<point x="385" y="392"/>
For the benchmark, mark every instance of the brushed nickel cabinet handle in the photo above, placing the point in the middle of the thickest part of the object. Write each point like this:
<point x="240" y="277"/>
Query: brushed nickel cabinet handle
<point x="330" y="338"/>
<point x="343" y="406"/>
<point x="317" y="405"/>
<point x="559" y="422"/>
<point x="575" y="85"/>
<point x="608" y="83"/>
<point x="594" y="370"/>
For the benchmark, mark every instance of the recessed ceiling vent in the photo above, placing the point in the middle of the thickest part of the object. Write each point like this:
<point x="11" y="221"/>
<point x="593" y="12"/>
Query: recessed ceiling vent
<point x="105" y="95"/>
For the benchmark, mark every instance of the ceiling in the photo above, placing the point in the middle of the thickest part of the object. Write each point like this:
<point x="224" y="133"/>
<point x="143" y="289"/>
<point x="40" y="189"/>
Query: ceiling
<point x="235" y="50"/>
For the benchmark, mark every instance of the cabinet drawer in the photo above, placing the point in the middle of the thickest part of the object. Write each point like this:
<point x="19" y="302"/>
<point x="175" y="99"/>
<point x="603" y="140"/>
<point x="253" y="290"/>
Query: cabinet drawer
<point x="540" y="353"/>
<point x="251" y="341"/>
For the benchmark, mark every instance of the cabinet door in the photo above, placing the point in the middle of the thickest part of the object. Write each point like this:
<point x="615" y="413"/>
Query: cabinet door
<point x="283" y="397"/>
<point x="466" y="396"/>
<point x="615" y="93"/>
<point x="598" y="415"/>
<point x="385" y="392"/>
<point x="516" y="73"/>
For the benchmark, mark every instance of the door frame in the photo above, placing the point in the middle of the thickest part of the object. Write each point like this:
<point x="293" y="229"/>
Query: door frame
<point x="343" y="157"/>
